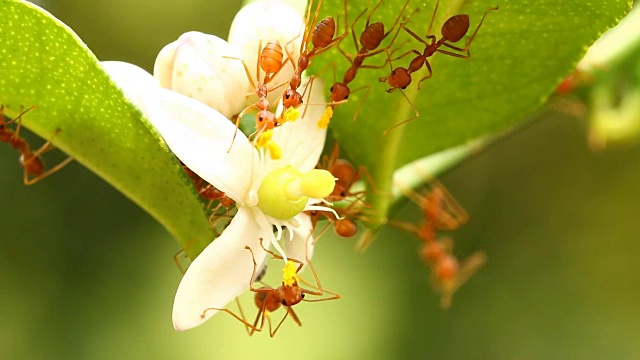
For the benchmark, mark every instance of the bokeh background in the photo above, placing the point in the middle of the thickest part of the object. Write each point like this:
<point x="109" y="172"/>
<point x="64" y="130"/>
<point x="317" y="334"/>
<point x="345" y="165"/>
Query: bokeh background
<point x="86" y="274"/>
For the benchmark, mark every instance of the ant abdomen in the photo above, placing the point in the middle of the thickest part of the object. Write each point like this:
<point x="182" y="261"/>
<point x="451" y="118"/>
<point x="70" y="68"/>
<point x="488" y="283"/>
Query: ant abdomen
<point x="372" y="36"/>
<point x="455" y="28"/>
<point x="323" y="33"/>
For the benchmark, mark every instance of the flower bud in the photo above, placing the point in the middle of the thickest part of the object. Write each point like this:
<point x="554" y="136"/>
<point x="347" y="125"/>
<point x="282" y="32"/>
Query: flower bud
<point x="197" y="65"/>
<point x="267" y="21"/>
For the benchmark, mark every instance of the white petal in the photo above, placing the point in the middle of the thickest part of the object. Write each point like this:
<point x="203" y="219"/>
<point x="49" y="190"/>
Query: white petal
<point x="221" y="272"/>
<point x="136" y="83"/>
<point x="195" y="65"/>
<point x="301" y="246"/>
<point x="267" y="21"/>
<point x="302" y="141"/>
<point x="200" y="137"/>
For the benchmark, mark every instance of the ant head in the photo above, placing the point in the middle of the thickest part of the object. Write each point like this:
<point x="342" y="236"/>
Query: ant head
<point x="265" y="120"/>
<point x="291" y="295"/>
<point x="400" y="78"/>
<point x="339" y="92"/>
<point x="291" y="98"/>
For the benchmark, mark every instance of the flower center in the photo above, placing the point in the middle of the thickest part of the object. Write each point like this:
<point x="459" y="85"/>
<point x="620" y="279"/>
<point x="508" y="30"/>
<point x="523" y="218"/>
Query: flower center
<point x="284" y="192"/>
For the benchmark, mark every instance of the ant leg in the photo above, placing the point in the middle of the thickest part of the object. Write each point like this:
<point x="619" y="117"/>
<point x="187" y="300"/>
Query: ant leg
<point x="415" y="36"/>
<point x="246" y="324"/>
<point x="353" y="27"/>
<point x="246" y="69"/>
<point x="495" y="8"/>
<point x="176" y="259"/>
<point x="295" y="317"/>
<point x="417" y="114"/>
<point x="18" y="119"/>
<point x="255" y="270"/>
<point x="374" y="10"/>
<point x="364" y="97"/>
<point x="36" y="154"/>
<point x="426" y="63"/>
<point x="435" y="9"/>
<point x="404" y="21"/>
<point x="238" y="118"/>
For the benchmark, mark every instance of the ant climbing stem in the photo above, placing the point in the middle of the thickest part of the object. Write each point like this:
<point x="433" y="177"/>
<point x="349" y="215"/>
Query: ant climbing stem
<point x="30" y="160"/>
<point x="370" y="39"/>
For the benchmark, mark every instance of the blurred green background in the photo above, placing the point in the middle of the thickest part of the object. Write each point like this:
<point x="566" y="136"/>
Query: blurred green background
<point x="86" y="274"/>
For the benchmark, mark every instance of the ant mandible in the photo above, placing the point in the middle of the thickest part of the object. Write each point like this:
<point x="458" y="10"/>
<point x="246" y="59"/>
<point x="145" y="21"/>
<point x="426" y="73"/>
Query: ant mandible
<point x="30" y="160"/>
<point x="453" y="30"/>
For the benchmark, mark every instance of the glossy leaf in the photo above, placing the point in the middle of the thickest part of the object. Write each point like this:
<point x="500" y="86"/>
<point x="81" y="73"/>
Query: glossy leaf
<point x="44" y="64"/>
<point x="518" y="57"/>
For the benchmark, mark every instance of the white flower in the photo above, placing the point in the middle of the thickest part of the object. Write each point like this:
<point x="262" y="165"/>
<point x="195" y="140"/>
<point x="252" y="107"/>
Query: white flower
<point x="196" y="65"/>
<point x="268" y="193"/>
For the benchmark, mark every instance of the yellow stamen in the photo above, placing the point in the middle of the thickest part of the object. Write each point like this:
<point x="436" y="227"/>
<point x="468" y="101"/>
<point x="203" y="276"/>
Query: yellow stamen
<point x="264" y="139"/>
<point x="274" y="150"/>
<point x="291" y="114"/>
<point x="323" y="123"/>
<point x="289" y="274"/>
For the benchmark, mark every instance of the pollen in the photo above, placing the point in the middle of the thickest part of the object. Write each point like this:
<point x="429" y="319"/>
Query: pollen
<point x="265" y="141"/>
<point x="274" y="150"/>
<point x="323" y="123"/>
<point x="290" y="114"/>
<point x="289" y="274"/>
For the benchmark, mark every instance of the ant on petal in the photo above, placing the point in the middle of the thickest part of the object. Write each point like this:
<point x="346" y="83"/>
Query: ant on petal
<point x="290" y="293"/>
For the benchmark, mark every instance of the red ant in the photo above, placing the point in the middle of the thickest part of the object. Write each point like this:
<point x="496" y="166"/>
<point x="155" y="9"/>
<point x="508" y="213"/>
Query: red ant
<point x="442" y="212"/>
<point x="370" y="39"/>
<point x="288" y="294"/>
<point x="209" y="192"/>
<point x="346" y="175"/>
<point x="271" y="61"/>
<point x="454" y="29"/>
<point x="31" y="161"/>
<point x="322" y="38"/>
<point x="448" y="275"/>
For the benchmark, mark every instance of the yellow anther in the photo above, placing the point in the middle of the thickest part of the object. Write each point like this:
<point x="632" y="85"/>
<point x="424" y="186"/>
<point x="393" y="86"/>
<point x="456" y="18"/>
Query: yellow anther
<point x="289" y="274"/>
<point x="323" y="123"/>
<point x="317" y="183"/>
<point x="264" y="139"/>
<point x="274" y="150"/>
<point x="291" y="114"/>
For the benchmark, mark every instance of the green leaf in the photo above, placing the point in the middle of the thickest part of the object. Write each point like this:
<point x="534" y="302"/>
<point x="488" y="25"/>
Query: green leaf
<point x="520" y="54"/>
<point x="44" y="64"/>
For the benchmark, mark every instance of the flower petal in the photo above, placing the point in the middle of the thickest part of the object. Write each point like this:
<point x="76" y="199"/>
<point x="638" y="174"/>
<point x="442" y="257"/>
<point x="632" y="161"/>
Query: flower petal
<point x="301" y="246"/>
<point x="136" y="83"/>
<point x="221" y="272"/>
<point x="196" y="65"/>
<point x="200" y="137"/>
<point x="267" y="21"/>
<point x="302" y="141"/>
